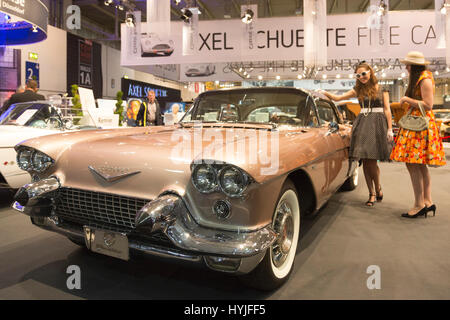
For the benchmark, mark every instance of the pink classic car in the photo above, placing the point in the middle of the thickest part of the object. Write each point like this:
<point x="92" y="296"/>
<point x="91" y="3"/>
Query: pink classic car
<point x="226" y="186"/>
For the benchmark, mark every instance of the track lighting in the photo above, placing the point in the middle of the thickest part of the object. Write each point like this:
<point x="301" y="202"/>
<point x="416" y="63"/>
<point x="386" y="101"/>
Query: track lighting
<point x="108" y="2"/>
<point x="186" y="15"/>
<point x="248" y="16"/>
<point x="382" y="8"/>
<point x="130" y="19"/>
<point x="445" y="7"/>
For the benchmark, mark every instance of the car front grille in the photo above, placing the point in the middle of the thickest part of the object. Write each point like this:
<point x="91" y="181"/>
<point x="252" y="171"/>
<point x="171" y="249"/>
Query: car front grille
<point x="98" y="209"/>
<point x="161" y="46"/>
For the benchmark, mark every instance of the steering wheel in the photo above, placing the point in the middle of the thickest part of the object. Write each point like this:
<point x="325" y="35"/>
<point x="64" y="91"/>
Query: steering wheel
<point x="285" y="119"/>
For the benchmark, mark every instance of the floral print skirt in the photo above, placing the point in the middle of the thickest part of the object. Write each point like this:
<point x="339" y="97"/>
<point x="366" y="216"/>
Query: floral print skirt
<point x="421" y="147"/>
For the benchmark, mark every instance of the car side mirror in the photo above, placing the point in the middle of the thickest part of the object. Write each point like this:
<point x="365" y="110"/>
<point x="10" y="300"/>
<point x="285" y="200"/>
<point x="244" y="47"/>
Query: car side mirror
<point x="333" y="127"/>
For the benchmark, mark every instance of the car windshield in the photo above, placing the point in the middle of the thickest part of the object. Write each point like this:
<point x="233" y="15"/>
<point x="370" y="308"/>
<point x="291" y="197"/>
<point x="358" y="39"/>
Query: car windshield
<point x="36" y="115"/>
<point x="265" y="106"/>
<point x="442" y="114"/>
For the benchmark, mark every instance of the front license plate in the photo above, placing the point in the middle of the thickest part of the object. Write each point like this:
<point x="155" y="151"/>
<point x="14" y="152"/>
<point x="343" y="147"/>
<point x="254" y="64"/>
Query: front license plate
<point x="109" y="243"/>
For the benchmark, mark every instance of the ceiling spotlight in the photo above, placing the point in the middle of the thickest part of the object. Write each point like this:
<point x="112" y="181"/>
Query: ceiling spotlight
<point x="186" y="15"/>
<point x="248" y="16"/>
<point x="403" y="74"/>
<point x="324" y="76"/>
<point x="240" y="69"/>
<point x="248" y="76"/>
<point x="299" y="76"/>
<point x="445" y="7"/>
<point x="338" y="76"/>
<point x="108" y="2"/>
<point x="260" y="77"/>
<point x="120" y="7"/>
<point x="350" y="75"/>
<point x="382" y="8"/>
<point x="35" y="29"/>
<point x="177" y="2"/>
<point x="447" y="69"/>
<point x="278" y="77"/>
<point x="436" y="73"/>
<point x="130" y="19"/>
<point x="383" y="75"/>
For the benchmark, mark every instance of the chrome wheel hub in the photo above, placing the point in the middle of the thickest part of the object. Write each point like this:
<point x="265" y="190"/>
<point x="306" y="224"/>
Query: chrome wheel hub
<point x="284" y="227"/>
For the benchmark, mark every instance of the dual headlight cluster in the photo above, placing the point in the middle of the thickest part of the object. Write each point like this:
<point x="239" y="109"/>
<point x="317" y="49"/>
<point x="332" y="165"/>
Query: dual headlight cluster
<point x="211" y="178"/>
<point x="33" y="160"/>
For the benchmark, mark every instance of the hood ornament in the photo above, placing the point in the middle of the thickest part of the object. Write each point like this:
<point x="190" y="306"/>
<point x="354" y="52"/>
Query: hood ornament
<point x="111" y="174"/>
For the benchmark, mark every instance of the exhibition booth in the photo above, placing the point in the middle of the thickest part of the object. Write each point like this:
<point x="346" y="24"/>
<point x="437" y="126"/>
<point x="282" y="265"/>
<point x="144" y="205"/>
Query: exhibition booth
<point x="237" y="146"/>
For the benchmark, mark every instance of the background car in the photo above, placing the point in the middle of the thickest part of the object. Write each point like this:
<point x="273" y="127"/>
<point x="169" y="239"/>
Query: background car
<point x="23" y="121"/>
<point x="226" y="187"/>
<point x="443" y="121"/>
<point x="200" y="70"/>
<point x="153" y="46"/>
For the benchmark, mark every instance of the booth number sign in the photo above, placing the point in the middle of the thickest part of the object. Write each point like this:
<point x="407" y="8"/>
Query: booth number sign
<point x="85" y="64"/>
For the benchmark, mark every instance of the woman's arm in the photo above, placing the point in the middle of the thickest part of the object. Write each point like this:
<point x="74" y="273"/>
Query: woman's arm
<point x="426" y="90"/>
<point x="388" y="114"/>
<point x="349" y="94"/>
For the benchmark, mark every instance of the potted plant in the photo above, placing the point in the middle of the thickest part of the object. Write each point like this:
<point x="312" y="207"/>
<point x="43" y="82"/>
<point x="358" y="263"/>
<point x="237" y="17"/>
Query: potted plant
<point x="76" y="104"/>
<point x="119" y="106"/>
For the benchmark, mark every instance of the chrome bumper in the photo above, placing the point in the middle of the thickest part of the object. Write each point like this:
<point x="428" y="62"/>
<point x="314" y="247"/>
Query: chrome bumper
<point x="222" y="250"/>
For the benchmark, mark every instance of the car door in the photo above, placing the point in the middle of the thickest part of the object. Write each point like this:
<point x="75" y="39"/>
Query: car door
<point x="336" y="136"/>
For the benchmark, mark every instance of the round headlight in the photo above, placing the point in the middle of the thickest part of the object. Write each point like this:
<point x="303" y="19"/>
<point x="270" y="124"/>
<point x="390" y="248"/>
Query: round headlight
<point x="232" y="181"/>
<point x="204" y="178"/>
<point x="40" y="161"/>
<point x="24" y="159"/>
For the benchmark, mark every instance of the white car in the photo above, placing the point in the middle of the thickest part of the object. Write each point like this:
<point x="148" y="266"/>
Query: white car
<point x="200" y="70"/>
<point x="153" y="46"/>
<point x="23" y="121"/>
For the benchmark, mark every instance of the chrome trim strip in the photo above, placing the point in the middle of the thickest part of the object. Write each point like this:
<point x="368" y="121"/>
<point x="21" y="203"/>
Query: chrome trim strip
<point x="109" y="177"/>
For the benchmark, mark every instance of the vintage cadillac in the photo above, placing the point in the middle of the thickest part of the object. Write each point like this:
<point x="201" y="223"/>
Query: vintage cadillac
<point x="226" y="186"/>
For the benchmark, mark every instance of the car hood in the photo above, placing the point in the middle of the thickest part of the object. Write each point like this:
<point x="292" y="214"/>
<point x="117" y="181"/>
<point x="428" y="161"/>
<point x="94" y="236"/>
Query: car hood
<point x="11" y="135"/>
<point x="161" y="155"/>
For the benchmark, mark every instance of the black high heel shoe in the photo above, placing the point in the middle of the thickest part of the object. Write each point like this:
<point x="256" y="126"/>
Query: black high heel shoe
<point x="422" y="212"/>
<point x="432" y="208"/>
<point x="379" y="197"/>
<point x="370" y="203"/>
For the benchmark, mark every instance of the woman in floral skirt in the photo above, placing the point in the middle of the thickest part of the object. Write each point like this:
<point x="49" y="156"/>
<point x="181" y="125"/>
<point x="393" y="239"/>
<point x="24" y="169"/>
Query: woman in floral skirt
<point x="419" y="148"/>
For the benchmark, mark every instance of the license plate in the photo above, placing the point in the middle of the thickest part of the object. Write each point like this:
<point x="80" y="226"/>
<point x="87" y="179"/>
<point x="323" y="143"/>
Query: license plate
<point x="109" y="243"/>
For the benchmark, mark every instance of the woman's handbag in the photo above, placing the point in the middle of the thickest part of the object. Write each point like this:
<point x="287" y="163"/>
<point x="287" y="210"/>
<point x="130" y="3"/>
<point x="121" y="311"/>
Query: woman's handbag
<point x="414" y="123"/>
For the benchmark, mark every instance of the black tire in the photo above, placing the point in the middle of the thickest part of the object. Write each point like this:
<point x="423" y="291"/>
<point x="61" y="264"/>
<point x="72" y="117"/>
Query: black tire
<point x="267" y="276"/>
<point x="352" y="182"/>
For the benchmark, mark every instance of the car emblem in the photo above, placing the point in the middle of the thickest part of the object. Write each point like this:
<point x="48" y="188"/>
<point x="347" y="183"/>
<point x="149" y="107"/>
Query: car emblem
<point x="109" y="239"/>
<point x="111" y="174"/>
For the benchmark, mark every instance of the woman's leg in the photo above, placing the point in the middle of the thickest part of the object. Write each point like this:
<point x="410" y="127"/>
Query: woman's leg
<point x="418" y="186"/>
<point x="368" y="175"/>
<point x="426" y="185"/>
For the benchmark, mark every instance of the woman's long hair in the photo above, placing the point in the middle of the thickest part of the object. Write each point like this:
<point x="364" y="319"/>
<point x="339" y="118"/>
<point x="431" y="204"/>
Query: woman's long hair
<point x="414" y="75"/>
<point x="369" y="89"/>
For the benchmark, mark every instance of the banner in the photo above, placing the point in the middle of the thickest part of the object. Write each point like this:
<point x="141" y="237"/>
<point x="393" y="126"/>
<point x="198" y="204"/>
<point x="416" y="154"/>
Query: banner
<point x="440" y="22"/>
<point x="139" y="90"/>
<point x="378" y="23"/>
<point x="190" y="31"/>
<point x="347" y="37"/>
<point x="248" y="43"/>
<point x="85" y="63"/>
<point x="134" y="35"/>
<point x="315" y="30"/>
